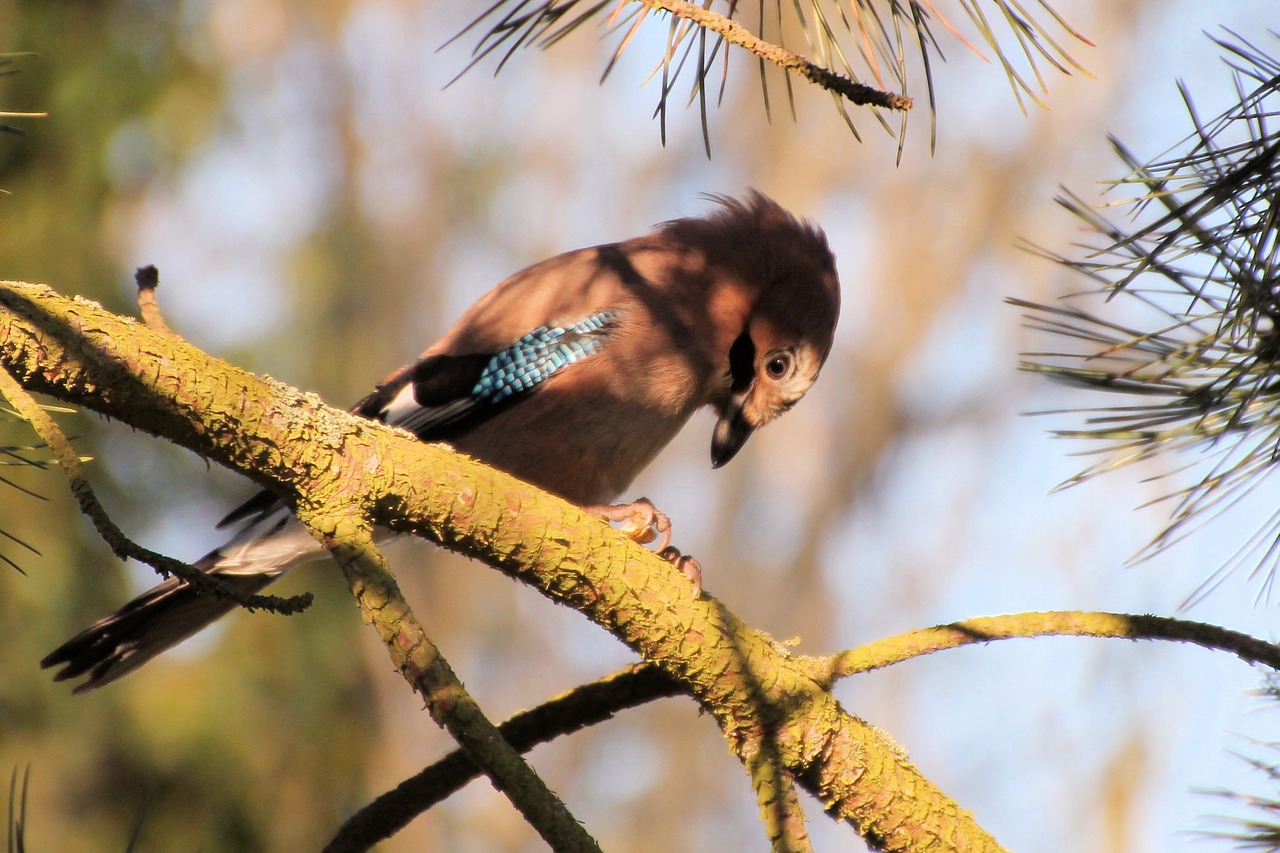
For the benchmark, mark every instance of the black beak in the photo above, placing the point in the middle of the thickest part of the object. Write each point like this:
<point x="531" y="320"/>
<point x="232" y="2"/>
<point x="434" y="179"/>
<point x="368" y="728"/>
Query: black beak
<point x="732" y="430"/>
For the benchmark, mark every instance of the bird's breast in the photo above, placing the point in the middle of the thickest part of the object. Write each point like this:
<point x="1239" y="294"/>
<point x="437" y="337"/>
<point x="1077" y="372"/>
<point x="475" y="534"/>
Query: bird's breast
<point x="585" y="445"/>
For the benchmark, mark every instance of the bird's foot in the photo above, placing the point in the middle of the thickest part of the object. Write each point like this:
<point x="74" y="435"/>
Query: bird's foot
<point x="688" y="566"/>
<point x="642" y="522"/>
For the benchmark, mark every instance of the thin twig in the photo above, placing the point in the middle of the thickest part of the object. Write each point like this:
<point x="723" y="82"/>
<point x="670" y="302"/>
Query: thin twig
<point x="585" y="705"/>
<point x="124" y="548"/>
<point x="448" y="702"/>
<point x="732" y="31"/>
<point x="148" y="279"/>
<point x="1055" y="623"/>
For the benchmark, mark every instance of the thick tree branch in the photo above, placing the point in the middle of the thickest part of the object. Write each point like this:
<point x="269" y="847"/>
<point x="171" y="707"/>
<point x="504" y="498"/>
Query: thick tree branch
<point x="761" y="696"/>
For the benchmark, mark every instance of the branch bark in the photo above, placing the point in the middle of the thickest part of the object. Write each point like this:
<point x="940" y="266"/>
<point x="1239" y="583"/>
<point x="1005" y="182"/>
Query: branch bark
<point x="450" y="705"/>
<point x="1056" y="623"/>
<point x="632" y="686"/>
<point x="764" y="699"/>
<point x="585" y="705"/>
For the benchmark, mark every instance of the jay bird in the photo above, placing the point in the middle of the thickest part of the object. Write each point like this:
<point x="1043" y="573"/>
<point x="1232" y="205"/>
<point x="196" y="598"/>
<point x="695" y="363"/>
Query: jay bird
<point x="571" y="375"/>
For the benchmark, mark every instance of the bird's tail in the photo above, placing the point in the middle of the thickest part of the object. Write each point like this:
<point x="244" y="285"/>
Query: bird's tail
<point x="169" y="613"/>
<point x="157" y="620"/>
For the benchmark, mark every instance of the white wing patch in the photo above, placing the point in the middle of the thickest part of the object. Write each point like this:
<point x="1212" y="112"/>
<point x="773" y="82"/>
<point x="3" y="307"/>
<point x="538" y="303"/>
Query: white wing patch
<point x="402" y="408"/>
<point x="271" y="545"/>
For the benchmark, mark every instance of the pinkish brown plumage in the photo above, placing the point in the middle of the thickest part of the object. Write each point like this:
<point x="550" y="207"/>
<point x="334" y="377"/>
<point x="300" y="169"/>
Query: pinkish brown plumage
<point x="572" y="374"/>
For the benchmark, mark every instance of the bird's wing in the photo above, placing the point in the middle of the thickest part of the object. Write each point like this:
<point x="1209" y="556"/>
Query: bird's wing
<point x="442" y="396"/>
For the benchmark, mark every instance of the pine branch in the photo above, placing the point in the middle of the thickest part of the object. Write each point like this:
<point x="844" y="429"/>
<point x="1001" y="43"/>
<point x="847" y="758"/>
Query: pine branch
<point x="1260" y="829"/>
<point x="877" y="39"/>
<point x="1187" y="321"/>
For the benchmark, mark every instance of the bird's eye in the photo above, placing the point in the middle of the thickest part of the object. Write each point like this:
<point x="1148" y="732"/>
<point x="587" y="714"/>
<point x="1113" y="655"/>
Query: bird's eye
<point x="778" y="365"/>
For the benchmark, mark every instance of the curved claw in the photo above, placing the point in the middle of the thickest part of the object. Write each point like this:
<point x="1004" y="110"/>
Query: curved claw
<point x="641" y="521"/>
<point x="688" y="566"/>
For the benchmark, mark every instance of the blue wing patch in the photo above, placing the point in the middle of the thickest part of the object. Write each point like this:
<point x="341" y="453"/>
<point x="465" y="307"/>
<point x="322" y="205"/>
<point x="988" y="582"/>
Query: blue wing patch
<point x="539" y="355"/>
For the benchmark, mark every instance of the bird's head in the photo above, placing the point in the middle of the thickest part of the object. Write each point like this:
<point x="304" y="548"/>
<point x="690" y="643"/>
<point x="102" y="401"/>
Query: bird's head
<point x="788" y="329"/>
<point x="771" y="366"/>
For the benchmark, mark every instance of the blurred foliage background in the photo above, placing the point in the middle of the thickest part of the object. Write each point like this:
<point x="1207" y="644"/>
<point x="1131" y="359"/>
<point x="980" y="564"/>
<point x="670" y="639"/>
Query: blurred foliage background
<point x="321" y="206"/>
